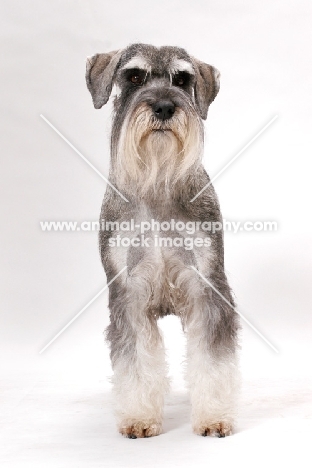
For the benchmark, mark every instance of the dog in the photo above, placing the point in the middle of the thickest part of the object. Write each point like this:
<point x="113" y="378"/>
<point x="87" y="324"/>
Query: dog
<point x="156" y="173"/>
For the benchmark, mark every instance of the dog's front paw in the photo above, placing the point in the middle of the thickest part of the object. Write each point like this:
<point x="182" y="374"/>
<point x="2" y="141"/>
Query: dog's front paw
<point x="134" y="429"/>
<point x="219" y="429"/>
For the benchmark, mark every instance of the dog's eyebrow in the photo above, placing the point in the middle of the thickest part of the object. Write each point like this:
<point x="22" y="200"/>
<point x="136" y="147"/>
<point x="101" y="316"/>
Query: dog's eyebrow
<point x="179" y="65"/>
<point x="137" y="62"/>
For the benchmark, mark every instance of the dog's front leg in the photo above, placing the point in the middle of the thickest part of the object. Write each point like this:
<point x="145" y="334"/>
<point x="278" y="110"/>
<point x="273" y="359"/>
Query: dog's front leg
<point x="212" y="370"/>
<point x="138" y="361"/>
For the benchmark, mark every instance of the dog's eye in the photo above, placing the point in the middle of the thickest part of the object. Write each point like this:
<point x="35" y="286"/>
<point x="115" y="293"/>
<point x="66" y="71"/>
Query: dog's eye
<point x="181" y="79"/>
<point x="136" y="77"/>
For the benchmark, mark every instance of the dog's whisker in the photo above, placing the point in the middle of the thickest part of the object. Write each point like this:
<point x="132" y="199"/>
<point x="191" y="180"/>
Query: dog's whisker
<point x="139" y="157"/>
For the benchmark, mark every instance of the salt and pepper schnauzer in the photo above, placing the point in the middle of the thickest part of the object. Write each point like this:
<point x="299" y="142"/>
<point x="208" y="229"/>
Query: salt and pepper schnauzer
<point x="163" y="94"/>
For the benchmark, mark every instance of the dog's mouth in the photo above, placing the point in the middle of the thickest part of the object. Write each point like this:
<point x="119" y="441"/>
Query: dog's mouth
<point x="162" y="130"/>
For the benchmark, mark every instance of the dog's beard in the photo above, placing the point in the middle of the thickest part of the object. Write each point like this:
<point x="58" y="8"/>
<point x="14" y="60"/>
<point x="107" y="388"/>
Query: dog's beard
<point x="153" y="156"/>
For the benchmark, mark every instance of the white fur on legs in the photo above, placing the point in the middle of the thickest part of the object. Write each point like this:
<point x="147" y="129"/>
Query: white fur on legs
<point x="140" y="385"/>
<point x="213" y="384"/>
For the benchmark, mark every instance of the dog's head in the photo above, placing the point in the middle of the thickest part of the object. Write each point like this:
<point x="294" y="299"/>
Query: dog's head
<point x="141" y="65"/>
<point x="162" y="96"/>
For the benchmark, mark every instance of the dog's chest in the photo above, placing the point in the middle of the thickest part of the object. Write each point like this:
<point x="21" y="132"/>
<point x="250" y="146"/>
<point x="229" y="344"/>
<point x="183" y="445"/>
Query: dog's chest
<point x="161" y="242"/>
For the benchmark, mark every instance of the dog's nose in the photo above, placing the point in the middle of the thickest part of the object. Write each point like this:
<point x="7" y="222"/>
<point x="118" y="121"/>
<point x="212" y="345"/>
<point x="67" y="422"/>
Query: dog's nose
<point x="163" y="110"/>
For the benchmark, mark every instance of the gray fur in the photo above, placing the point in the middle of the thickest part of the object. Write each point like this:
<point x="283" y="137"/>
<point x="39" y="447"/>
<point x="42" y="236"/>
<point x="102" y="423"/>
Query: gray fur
<point x="100" y="71"/>
<point x="158" y="283"/>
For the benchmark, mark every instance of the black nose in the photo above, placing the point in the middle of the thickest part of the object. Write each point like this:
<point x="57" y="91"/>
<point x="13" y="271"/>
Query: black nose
<point x="163" y="110"/>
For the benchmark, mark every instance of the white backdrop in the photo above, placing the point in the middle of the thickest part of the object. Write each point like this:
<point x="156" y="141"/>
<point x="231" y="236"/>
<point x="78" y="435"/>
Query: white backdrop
<point x="262" y="49"/>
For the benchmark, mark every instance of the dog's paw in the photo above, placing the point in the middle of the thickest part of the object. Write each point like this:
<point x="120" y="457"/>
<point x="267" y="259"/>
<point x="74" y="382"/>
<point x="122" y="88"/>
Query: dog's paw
<point x="220" y="429"/>
<point x="134" y="429"/>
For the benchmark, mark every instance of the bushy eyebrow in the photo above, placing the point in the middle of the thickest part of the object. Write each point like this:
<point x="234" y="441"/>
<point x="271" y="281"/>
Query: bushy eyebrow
<point x="179" y="65"/>
<point x="137" y="62"/>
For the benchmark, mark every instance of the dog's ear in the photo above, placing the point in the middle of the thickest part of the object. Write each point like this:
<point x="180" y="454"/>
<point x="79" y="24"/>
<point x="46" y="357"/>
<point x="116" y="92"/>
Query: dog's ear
<point x="100" y="72"/>
<point x="207" y="84"/>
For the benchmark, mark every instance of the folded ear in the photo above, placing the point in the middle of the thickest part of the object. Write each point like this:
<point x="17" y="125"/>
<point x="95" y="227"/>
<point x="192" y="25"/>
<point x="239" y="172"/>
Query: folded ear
<point x="100" y="72"/>
<point x="207" y="84"/>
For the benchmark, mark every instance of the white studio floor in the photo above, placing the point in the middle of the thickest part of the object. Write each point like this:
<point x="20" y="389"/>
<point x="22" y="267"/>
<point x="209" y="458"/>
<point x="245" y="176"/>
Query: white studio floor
<point x="64" y="418"/>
